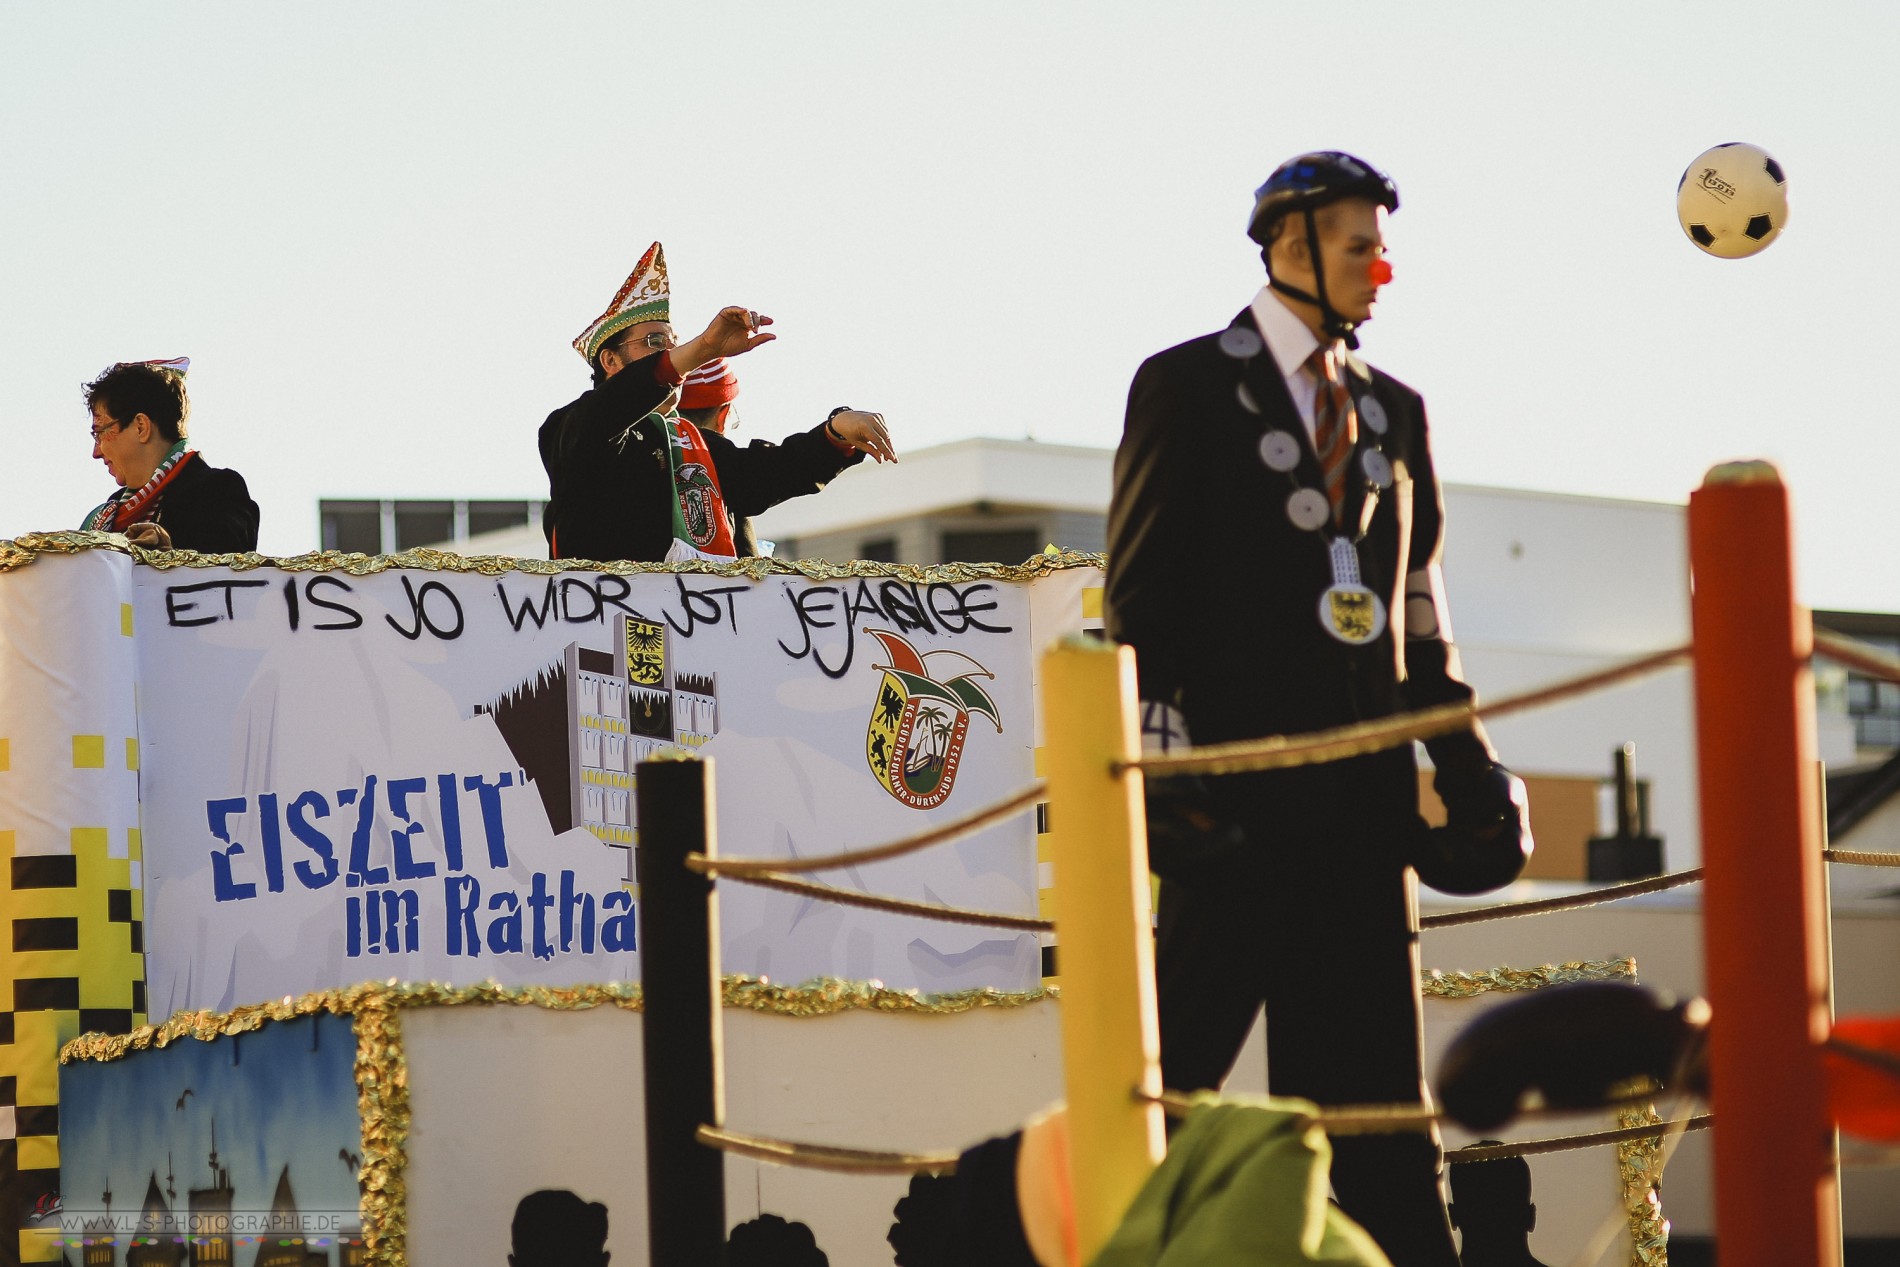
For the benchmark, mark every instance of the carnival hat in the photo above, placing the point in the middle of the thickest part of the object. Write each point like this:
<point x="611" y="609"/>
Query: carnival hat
<point x="711" y="385"/>
<point x="644" y="296"/>
<point x="179" y="365"/>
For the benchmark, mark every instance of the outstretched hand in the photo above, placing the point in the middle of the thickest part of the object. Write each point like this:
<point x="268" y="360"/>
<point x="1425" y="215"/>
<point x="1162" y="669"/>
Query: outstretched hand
<point x="864" y="432"/>
<point x="736" y="331"/>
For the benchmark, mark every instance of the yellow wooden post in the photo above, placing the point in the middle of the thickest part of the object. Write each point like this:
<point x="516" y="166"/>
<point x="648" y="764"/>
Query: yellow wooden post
<point x="1111" y="1042"/>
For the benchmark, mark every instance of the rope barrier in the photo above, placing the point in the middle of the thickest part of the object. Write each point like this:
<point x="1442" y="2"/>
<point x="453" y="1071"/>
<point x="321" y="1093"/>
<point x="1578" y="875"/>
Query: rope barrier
<point x="857" y="1161"/>
<point x="1564" y="1143"/>
<point x="1873" y="1057"/>
<point x="1539" y="906"/>
<point x="1277" y="752"/>
<point x="895" y="905"/>
<point x="1861" y="858"/>
<point x="733" y="868"/>
<point x="1857" y="655"/>
<point x="1378" y="1119"/>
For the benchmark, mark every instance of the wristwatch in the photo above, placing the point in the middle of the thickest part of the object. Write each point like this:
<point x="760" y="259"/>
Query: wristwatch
<point x="833" y="431"/>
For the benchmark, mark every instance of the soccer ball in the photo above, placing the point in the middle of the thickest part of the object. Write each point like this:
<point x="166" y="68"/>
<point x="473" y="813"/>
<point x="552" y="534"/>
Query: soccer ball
<point x="1733" y="200"/>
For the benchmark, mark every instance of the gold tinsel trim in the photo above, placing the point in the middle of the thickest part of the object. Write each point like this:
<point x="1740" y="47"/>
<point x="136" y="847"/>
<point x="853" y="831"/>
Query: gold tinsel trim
<point x="827" y="996"/>
<point x="24" y="549"/>
<point x="822" y="996"/>
<point x="1639" y="1168"/>
<point x="1434" y="984"/>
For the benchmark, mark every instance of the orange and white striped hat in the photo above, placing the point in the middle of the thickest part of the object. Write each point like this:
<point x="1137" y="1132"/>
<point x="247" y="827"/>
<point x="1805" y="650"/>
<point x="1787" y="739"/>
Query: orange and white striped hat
<point x="711" y="384"/>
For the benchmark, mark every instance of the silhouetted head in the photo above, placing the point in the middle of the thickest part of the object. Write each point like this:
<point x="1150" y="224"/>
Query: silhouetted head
<point x="1492" y="1198"/>
<point x="555" y="1228"/>
<point x="769" y="1241"/>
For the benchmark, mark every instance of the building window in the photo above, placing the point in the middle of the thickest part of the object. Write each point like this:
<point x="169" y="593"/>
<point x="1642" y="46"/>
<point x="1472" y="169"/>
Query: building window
<point x="383" y="527"/>
<point x="879" y="550"/>
<point x="424" y="524"/>
<point x="996" y="545"/>
<point x="495" y="516"/>
<point x="352" y="526"/>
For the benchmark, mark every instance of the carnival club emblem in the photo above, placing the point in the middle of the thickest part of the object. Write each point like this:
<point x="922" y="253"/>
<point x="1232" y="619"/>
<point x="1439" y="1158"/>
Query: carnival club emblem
<point x="919" y="722"/>
<point x="697" y="491"/>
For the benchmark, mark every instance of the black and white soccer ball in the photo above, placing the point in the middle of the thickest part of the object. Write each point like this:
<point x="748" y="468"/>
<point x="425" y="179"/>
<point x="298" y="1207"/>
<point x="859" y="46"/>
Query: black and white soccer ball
<point x="1733" y="200"/>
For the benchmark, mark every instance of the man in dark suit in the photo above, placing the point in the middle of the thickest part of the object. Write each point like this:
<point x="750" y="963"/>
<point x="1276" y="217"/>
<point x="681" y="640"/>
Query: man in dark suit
<point x="169" y="497"/>
<point x="1273" y="547"/>
<point x="628" y="478"/>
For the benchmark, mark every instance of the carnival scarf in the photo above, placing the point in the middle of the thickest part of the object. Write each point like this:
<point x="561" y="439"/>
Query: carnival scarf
<point x="128" y="506"/>
<point x="699" y="510"/>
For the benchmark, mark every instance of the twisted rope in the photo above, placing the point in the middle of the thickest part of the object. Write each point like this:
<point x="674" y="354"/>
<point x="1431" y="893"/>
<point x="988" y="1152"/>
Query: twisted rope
<point x="896" y="905"/>
<point x="1379" y="1119"/>
<point x="1857" y="655"/>
<point x="1861" y="858"/>
<point x="1564" y="1143"/>
<point x="1538" y="906"/>
<point x="1873" y="1057"/>
<point x="1278" y="752"/>
<point x="856" y="1161"/>
<point x="733" y="868"/>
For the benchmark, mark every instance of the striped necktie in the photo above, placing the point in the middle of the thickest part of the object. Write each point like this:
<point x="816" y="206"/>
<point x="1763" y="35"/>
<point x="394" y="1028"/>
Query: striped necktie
<point x="1335" y="424"/>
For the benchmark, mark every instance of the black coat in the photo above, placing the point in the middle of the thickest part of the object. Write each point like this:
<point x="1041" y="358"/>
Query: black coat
<point x="207" y="509"/>
<point x="610" y="486"/>
<point x="1219" y="592"/>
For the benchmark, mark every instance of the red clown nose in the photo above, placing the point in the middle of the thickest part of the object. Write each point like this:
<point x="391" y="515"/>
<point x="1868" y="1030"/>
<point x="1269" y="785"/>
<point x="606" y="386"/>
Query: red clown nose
<point x="1379" y="273"/>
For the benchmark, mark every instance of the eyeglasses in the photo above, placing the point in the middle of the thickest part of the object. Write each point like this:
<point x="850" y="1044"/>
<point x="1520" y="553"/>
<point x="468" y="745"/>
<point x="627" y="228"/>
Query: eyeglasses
<point x="658" y="341"/>
<point x="100" y="432"/>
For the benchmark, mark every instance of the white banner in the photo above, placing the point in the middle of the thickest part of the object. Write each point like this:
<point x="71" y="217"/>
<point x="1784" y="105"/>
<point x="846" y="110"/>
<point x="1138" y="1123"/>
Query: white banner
<point x="429" y="775"/>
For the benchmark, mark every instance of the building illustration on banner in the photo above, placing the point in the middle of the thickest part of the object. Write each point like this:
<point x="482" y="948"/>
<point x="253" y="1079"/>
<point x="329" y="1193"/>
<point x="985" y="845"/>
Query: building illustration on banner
<point x="580" y="726"/>
<point x="159" y="1121"/>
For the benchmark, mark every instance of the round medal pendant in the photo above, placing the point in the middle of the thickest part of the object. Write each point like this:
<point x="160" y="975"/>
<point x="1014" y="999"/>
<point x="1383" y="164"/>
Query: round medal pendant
<point x="1378" y="468"/>
<point x="1240" y="343"/>
<point x="1372" y="413"/>
<point x="1279" y="450"/>
<point x="1308" y="509"/>
<point x="1351" y="613"/>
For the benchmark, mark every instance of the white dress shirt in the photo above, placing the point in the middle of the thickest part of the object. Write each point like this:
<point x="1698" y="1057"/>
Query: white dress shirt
<point x="1291" y="342"/>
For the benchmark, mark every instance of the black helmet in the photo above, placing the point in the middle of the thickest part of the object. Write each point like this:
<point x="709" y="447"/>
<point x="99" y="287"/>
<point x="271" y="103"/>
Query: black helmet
<point x="1313" y="180"/>
<point x="1303" y="184"/>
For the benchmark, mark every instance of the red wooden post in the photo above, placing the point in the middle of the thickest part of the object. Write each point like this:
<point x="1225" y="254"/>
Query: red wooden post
<point x="1764" y="918"/>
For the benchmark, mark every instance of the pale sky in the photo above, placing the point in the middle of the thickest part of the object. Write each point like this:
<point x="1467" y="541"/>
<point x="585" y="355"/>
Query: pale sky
<point x="375" y="227"/>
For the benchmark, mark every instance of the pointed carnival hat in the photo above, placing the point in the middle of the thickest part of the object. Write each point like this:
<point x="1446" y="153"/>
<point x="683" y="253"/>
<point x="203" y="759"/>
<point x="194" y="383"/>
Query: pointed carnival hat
<point x="642" y="297"/>
<point x="710" y="385"/>
<point x="179" y="365"/>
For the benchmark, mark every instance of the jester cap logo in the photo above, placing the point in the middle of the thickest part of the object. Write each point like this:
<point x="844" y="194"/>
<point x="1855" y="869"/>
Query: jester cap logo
<point x="919" y="722"/>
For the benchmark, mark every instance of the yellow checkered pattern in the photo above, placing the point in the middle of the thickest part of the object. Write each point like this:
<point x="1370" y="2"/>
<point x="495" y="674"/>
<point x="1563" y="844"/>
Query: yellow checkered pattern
<point x="71" y="958"/>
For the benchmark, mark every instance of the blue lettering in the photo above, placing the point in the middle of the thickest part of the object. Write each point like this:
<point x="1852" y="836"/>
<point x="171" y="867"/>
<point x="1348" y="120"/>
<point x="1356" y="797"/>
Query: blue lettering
<point x="318" y="843"/>
<point x="617" y="933"/>
<point x="218" y="814"/>
<point x="504" y="933"/>
<point x="573" y="903"/>
<point x="360" y="871"/>
<point x="490" y="796"/>
<point x="463" y="895"/>
<point x="400" y="790"/>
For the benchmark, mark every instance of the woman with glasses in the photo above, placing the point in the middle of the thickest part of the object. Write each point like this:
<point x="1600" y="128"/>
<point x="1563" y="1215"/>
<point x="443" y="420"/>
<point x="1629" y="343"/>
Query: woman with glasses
<point x="169" y="497"/>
